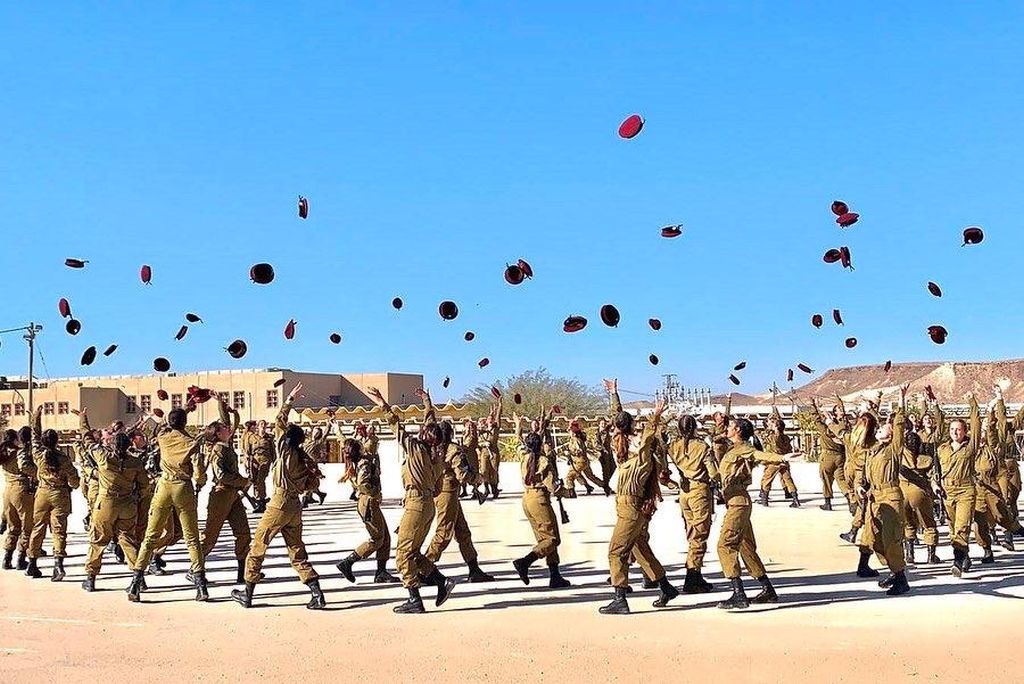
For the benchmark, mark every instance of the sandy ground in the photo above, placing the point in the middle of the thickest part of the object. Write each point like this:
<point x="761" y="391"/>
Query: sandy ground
<point x="829" y="626"/>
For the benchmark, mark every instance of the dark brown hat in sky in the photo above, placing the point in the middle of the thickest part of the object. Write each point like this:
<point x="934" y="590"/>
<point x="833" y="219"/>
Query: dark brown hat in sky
<point x="447" y="380"/>
<point x="237" y="349"/>
<point x="934" y="289"/>
<point x="888" y="366"/>
<point x="192" y="318"/>
<point x="495" y="392"/>
<point x="937" y="333"/>
<point x="740" y="366"/>
<point x="817" y="320"/>
<point x="161" y="394"/>
<point x="844" y="257"/>
<point x="110" y="350"/>
<point x="672" y="231"/>
<point x="397" y="302"/>
<point x="158" y="412"/>
<point x="610" y="315"/>
<point x="805" y="368"/>
<point x="840" y="207"/>
<point x="837" y="317"/>
<point x="653" y="359"/>
<point x="73" y="326"/>
<point x="514" y="275"/>
<point x="64" y="307"/>
<point x="517" y="398"/>
<point x="448" y="310"/>
<point x="303" y="207"/>
<point x="733" y="379"/>
<point x="335" y="338"/>
<point x="279" y="382"/>
<point x="631" y="126"/>
<point x="574" y="324"/>
<point x="289" y="330"/>
<point x="525" y="268"/>
<point x="469" y="336"/>
<point x="847" y="219"/>
<point x="851" y="342"/>
<point x="89" y="356"/>
<point x="182" y="331"/>
<point x="973" y="235"/>
<point x="262" y="274"/>
<point x="483" y="362"/>
<point x="161" y="365"/>
<point x="146" y="274"/>
<point x="75" y="263"/>
<point x="789" y="375"/>
<point x="654" y="323"/>
<point x="832" y="256"/>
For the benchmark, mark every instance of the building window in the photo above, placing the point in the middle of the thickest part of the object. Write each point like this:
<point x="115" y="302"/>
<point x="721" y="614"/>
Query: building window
<point x="48" y="408"/>
<point x="5" y="410"/>
<point x="238" y="400"/>
<point x="145" y="402"/>
<point x="19" y="409"/>
<point x="62" y="408"/>
<point x="175" y="401"/>
<point x="224" y="396"/>
<point x="272" y="398"/>
<point x="131" y="408"/>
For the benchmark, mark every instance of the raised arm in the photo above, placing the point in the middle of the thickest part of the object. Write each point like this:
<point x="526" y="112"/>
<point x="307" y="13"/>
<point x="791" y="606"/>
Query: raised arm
<point x="613" y="393"/>
<point x="1002" y="430"/>
<point x="281" y="421"/>
<point x="899" y="424"/>
<point x="37" y="423"/>
<point x="393" y="418"/>
<point x="430" y="413"/>
<point x="975" y="423"/>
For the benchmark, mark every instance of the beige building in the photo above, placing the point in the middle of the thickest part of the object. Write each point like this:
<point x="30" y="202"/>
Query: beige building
<point x="256" y="394"/>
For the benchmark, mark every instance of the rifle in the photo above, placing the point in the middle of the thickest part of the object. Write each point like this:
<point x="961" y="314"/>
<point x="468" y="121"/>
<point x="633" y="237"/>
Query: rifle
<point x="561" y="511"/>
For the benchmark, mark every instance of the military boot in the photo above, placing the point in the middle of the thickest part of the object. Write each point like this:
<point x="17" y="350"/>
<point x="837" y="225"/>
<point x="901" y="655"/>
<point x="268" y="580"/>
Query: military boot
<point x="476" y="575"/>
<point x="89" y="583"/>
<point x="22" y="561"/>
<point x="244" y="596"/>
<point x="1008" y="541"/>
<point x="908" y="551"/>
<point x="796" y="501"/>
<point x="9" y="559"/>
<point x="382" y="575"/>
<point x="987" y="558"/>
<point x="762" y="498"/>
<point x="863" y="567"/>
<point x="522" y="566"/>
<point x="767" y="594"/>
<point x="322" y="496"/>
<point x="135" y="588"/>
<point x="738" y="598"/>
<point x="957" y="569"/>
<point x="444" y="586"/>
<point x="899" y="585"/>
<point x="556" y="581"/>
<point x="827" y="506"/>
<point x="202" y="590"/>
<point x="649" y="583"/>
<point x="119" y="553"/>
<point x="58" y="570"/>
<point x="345" y="567"/>
<point x="690" y="585"/>
<point x="33" y="569"/>
<point x="850" y="536"/>
<point x="887" y="581"/>
<point x="317" y="600"/>
<point x="156" y="567"/>
<point x="240" y="576"/>
<point x="932" y="556"/>
<point x="618" y="606"/>
<point x="3" y="526"/>
<point x="788" y="495"/>
<point x="414" y="604"/>
<point x="666" y="592"/>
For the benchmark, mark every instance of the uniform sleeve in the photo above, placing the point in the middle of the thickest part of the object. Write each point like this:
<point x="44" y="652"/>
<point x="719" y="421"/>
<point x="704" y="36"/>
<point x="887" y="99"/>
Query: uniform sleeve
<point x="649" y="434"/>
<point x="765" y="457"/>
<point x="71" y="474"/>
<point x="975" y="423"/>
<point x="941" y="430"/>
<point x="898" y="431"/>
<point x="707" y="456"/>
<point x="281" y="421"/>
<point x="1002" y="427"/>
<point x="227" y="464"/>
<point x="616" y="406"/>
<point x="27" y="464"/>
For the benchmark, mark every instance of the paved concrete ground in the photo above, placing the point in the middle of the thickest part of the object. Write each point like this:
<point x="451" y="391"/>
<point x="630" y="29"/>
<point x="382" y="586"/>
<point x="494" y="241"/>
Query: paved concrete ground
<point x="829" y="626"/>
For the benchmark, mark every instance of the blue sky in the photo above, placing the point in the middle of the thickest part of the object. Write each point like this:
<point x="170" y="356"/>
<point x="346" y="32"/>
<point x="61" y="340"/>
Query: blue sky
<point x="436" y="145"/>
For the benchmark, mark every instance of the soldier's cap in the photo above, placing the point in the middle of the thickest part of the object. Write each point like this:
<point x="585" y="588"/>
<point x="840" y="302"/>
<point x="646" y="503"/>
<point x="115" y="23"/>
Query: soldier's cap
<point x="448" y="310"/>
<point x="237" y="349"/>
<point x="73" y="326"/>
<point x="161" y="365"/>
<point x="610" y="315"/>
<point x="262" y="273"/>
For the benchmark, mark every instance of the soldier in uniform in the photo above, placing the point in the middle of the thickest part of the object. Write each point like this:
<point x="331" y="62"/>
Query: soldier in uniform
<point x="540" y="481"/>
<point x="956" y="459"/>
<point x="490" y="456"/>
<point x="316" y="447"/>
<point x="736" y="539"/>
<point x="990" y="508"/>
<point x="365" y="472"/>
<point x="293" y="471"/>
<point x="146" y="451"/>
<point x="579" y="462"/>
<point x="933" y="432"/>
<point x="916" y="468"/>
<point x="121" y="477"/>
<point x="57" y="478"/>
<point x="259" y="456"/>
<point x="831" y="456"/>
<point x="470" y="442"/>
<point x="635" y="502"/>
<point x="422" y="470"/>
<point x="603" y="442"/>
<point x="776" y="441"/>
<point x="175" y="498"/>
<point x="19" y="496"/>
<point x="854" y="448"/>
<point x="87" y="468"/>
<point x="697" y="475"/>
<point x="1012" y="482"/>
<point x="225" y="502"/>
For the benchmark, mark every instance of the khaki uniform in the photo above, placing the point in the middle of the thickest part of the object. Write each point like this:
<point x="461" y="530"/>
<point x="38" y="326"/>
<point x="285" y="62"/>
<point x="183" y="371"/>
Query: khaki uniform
<point x="881" y="475"/>
<point x="918" y="497"/>
<point x="1009" y="474"/>
<point x="856" y="455"/>
<point x="603" y="441"/>
<point x="175" y="497"/>
<point x="637" y="488"/>
<point x="57" y="479"/>
<point x="956" y="463"/>
<point x="490" y="456"/>
<point x="421" y="477"/>
<point x="736" y="539"/>
<point x="225" y="502"/>
<point x="87" y="465"/>
<point x="369" y="488"/>
<point x="293" y="470"/>
<point x="259" y="455"/>
<point x="470" y="442"/>
<point x="540" y="480"/>
<point x="831" y="458"/>
<point x="697" y="472"/>
<point x="777" y="443"/>
<point x="19" y="498"/>
<point x="317" y="452"/>
<point x="451" y="520"/>
<point x="114" y="513"/>
<point x="150" y="458"/>
<point x="579" y="464"/>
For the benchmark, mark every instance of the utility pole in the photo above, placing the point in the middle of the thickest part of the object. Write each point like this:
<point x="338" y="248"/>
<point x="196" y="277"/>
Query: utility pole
<point x="30" y="330"/>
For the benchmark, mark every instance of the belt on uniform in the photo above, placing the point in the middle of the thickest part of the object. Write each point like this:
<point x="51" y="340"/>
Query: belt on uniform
<point x="959" y="483"/>
<point x="181" y="480"/>
<point x="628" y="499"/>
<point x="888" y="489"/>
<point x="422" y="492"/>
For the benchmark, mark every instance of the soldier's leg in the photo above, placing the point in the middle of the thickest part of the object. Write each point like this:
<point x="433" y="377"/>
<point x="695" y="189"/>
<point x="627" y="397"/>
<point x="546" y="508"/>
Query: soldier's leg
<point x="888" y="541"/>
<point x="239" y="523"/>
<point x="412" y="530"/>
<point x="826" y="471"/>
<point x="628" y="527"/>
<point x="269" y="525"/>
<point x="464" y="537"/>
<point x="588" y="472"/>
<point x="570" y="477"/>
<point x="291" y="532"/>
<point x="370" y="514"/>
<point x="13" y="513"/>
<point x="125" y="533"/>
<point x="216" y="515"/>
<point x="41" y="519"/>
<point x="649" y="563"/>
<point x="101" y="531"/>
<point x="544" y="524"/>
<point x="1000" y="511"/>
<point x="496" y="467"/>
<point x="787" y="480"/>
<point x="446" y="512"/>
<point x="770" y="471"/>
<point x="160" y="514"/>
<point x="960" y="510"/>
<point x="730" y="538"/>
<point x="748" y="549"/>
<point x="185" y="504"/>
<point x="698" y="526"/>
<point x="142" y="518"/>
